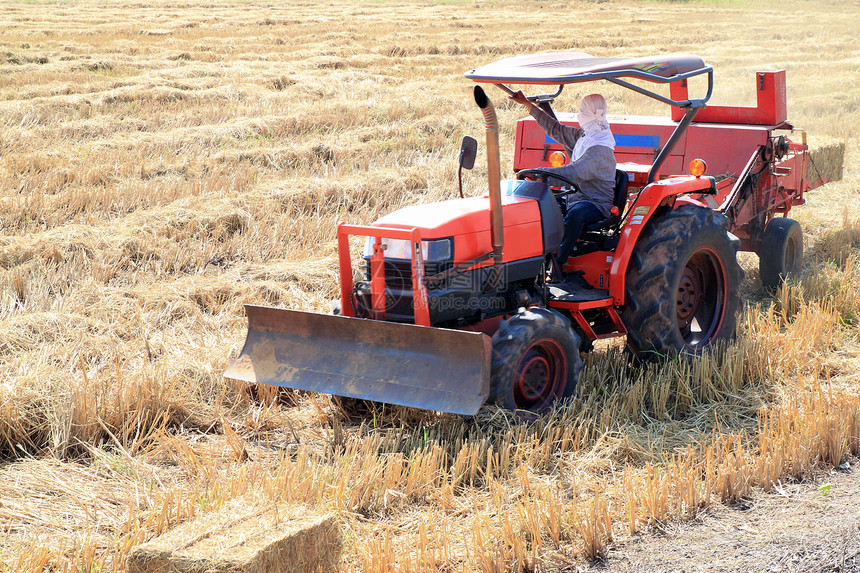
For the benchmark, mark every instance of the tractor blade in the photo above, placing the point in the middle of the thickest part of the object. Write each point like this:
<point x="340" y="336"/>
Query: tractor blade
<point x="417" y="366"/>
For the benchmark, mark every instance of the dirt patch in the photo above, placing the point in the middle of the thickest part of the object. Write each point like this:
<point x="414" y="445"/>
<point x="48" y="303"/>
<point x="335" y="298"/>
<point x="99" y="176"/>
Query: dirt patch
<point x="802" y="527"/>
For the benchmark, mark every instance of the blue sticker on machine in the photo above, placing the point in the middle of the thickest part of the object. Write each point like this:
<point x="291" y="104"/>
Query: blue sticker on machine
<point x="628" y="140"/>
<point x="625" y="140"/>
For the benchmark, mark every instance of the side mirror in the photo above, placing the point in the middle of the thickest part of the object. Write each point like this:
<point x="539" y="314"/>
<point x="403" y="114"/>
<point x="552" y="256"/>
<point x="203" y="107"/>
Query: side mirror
<point x="468" y="151"/>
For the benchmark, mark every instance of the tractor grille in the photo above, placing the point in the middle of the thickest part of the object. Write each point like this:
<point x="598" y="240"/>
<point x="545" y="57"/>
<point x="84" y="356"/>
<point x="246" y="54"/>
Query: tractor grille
<point x="398" y="274"/>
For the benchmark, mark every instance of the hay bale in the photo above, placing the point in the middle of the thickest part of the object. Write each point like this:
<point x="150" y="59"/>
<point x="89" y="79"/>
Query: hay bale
<point x="826" y="158"/>
<point x="247" y="537"/>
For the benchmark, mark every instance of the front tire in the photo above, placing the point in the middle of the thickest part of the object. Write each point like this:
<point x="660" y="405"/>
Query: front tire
<point x="536" y="362"/>
<point x="681" y="286"/>
<point x="781" y="253"/>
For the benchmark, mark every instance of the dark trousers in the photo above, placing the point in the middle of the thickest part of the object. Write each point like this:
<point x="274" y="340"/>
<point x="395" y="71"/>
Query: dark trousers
<point x="579" y="215"/>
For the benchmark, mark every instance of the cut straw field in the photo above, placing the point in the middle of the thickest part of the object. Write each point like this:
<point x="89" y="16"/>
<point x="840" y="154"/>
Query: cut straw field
<point x="163" y="163"/>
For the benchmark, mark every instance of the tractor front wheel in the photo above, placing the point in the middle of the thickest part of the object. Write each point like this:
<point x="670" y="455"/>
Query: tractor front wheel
<point x="536" y="362"/>
<point x="681" y="287"/>
<point x="781" y="252"/>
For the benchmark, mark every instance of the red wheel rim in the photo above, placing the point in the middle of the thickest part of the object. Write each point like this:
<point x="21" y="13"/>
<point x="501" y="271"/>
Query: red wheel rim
<point x="701" y="298"/>
<point x="541" y="376"/>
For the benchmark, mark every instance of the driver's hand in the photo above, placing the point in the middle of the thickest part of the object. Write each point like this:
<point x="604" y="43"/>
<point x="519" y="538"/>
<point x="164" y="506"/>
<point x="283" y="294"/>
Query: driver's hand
<point x="521" y="99"/>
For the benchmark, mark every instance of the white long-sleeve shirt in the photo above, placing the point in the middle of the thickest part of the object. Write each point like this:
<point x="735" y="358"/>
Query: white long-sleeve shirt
<point x="593" y="172"/>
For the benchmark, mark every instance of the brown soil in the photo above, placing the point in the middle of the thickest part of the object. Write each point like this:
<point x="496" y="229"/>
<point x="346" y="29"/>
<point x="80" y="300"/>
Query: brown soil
<point x="801" y="527"/>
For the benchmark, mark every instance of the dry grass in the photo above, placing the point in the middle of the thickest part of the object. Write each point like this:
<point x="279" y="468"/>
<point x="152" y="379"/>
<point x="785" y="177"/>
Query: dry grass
<point x="161" y="165"/>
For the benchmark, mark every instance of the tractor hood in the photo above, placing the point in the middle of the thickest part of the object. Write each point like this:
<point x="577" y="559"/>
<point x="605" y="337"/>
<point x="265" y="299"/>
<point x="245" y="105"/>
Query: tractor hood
<point x="468" y="222"/>
<point x="459" y="216"/>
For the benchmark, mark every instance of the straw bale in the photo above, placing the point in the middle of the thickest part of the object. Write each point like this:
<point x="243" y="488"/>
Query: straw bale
<point x="826" y="157"/>
<point x="248" y="537"/>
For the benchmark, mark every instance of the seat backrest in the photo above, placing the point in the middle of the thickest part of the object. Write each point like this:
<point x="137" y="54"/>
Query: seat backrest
<point x="620" y="196"/>
<point x="619" y="203"/>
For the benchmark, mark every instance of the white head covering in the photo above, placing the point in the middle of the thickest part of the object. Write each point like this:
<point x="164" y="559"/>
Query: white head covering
<point x="592" y="119"/>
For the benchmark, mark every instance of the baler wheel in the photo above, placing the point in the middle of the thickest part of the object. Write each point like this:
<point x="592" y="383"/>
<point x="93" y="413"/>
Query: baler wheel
<point x="536" y="362"/>
<point x="681" y="287"/>
<point x="781" y="253"/>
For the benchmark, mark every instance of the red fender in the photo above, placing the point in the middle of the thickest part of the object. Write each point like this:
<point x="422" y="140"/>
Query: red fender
<point x="651" y="197"/>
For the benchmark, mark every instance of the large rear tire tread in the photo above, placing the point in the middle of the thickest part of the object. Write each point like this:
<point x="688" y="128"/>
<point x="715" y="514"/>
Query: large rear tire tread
<point x="781" y="253"/>
<point x="543" y="336"/>
<point x="675" y="245"/>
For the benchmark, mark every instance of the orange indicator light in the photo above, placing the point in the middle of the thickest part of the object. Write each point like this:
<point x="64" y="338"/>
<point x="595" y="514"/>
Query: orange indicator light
<point x="698" y="167"/>
<point x="557" y="159"/>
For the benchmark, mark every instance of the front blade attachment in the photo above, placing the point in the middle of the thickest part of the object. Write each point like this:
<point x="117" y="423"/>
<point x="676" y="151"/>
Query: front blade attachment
<point x="416" y="366"/>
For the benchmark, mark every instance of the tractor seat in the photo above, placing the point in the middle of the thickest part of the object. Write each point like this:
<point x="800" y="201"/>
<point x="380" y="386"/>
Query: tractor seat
<point x="619" y="202"/>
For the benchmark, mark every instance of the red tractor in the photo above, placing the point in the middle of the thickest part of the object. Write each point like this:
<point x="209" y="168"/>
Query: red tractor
<point x="457" y="303"/>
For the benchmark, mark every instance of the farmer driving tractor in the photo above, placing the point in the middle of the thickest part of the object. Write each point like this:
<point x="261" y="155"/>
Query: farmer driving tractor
<point x="592" y="165"/>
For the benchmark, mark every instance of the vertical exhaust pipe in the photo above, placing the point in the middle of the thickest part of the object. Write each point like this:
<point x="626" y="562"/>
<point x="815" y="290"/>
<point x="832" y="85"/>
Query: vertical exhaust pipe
<point x="494" y="177"/>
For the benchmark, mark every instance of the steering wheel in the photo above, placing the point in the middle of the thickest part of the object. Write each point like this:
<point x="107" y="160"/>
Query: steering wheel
<point x="544" y="176"/>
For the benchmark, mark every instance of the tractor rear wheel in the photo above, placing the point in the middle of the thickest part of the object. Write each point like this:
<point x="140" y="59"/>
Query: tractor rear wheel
<point x="681" y="287"/>
<point x="536" y="362"/>
<point x="781" y="252"/>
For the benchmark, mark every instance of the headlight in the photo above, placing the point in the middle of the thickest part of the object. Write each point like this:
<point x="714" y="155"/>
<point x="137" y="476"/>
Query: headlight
<point x="431" y="250"/>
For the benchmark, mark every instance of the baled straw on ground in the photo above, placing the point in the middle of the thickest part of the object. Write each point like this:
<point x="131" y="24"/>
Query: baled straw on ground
<point x="246" y="536"/>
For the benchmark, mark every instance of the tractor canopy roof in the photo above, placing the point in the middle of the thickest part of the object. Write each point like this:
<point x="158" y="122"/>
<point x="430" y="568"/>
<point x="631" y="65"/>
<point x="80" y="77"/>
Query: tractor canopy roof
<point x="558" y="68"/>
<point x="561" y="68"/>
